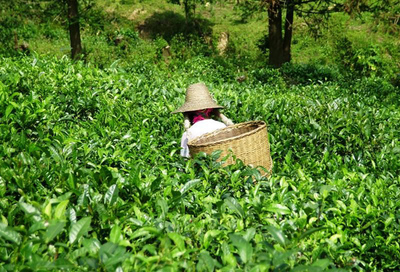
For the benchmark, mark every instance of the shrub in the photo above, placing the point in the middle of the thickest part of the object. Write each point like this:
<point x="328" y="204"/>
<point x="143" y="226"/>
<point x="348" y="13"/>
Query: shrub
<point x="309" y="73"/>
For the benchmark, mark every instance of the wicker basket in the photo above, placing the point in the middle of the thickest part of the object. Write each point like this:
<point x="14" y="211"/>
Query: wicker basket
<point x="248" y="142"/>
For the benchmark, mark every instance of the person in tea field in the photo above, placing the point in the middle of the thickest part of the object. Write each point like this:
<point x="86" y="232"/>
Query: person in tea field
<point x="198" y="110"/>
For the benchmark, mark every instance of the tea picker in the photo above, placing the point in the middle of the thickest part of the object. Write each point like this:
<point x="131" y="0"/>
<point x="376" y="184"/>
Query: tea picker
<point x="198" y="110"/>
<point x="247" y="141"/>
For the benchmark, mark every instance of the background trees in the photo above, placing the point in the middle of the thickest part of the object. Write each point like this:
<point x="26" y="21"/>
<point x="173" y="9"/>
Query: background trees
<point x="112" y="29"/>
<point x="281" y="18"/>
<point x="73" y="26"/>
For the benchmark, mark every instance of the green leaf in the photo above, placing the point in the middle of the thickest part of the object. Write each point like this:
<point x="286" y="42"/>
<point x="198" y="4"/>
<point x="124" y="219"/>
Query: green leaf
<point x="277" y="235"/>
<point x="311" y="231"/>
<point x="79" y="228"/>
<point x="53" y="230"/>
<point x="47" y="210"/>
<point x="244" y="248"/>
<point x="278" y="208"/>
<point x="31" y="211"/>
<point x="322" y="263"/>
<point x="9" y="234"/>
<point x="28" y="208"/>
<point x="9" y="110"/>
<point x="216" y="154"/>
<point x="72" y="215"/>
<point x="325" y="189"/>
<point x="37" y="226"/>
<point x="145" y="231"/>
<point x="234" y="206"/>
<point x="112" y="194"/>
<point x="78" y="253"/>
<point x="188" y="185"/>
<point x="206" y="262"/>
<point x="210" y="234"/>
<point x="112" y="254"/>
<point x="54" y="153"/>
<point x="178" y="240"/>
<point x="59" y="212"/>
<point x="115" y="235"/>
<point x="162" y="203"/>
<point x="249" y="234"/>
<point x="4" y="220"/>
<point x="92" y="245"/>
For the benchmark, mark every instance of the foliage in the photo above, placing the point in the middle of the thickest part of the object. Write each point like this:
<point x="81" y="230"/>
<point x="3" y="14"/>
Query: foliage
<point x="309" y="73"/>
<point x="91" y="177"/>
<point x="189" y="7"/>
<point x="363" y="60"/>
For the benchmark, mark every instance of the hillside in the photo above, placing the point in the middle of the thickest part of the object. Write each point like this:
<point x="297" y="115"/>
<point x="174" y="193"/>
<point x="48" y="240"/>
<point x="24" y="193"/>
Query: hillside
<point x="128" y="30"/>
<point x="90" y="173"/>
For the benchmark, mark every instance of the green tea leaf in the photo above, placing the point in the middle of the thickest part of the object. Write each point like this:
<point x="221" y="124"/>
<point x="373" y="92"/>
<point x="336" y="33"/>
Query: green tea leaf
<point x="59" y="212"/>
<point x="234" y="206"/>
<point x="55" y="228"/>
<point x="145" y="231"/>
<point x="249" y="234"/>
<point x="79" y="228"/>
<point x="9" y="110"/>
<point x="322" y="263"/>
<point x="115" y="235"/>
<point x="210" y="234"/>
<point x="162" y="203"/>
<point x="244" y="248"/>
<point x="278" y="208"/>
<point x="206" y="262"/>
<point x="178" y="240"/>
<point x="29" y="209"/>
<point x="278" y="235"/>
<point x="311" y="231"/>
<point x="111" y="196"/>
<point x="188" y="185"/>
<point x="9" y="234"/>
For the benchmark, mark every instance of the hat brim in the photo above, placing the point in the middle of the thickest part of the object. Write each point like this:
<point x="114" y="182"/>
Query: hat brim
<point x="187" y="107"/>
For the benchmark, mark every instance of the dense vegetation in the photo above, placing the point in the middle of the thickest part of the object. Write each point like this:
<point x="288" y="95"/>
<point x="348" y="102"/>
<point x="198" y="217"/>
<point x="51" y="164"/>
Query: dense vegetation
<point x="91" y="177"/>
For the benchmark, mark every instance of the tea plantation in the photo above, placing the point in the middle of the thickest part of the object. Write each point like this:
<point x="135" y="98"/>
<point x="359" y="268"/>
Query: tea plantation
<point x="91" y="177"/>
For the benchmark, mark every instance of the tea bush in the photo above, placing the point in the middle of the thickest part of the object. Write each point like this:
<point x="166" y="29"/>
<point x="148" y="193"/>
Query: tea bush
<point x="91" y="177"/>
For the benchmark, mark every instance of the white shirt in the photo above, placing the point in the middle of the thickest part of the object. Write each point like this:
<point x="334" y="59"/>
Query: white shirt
<point x="198" y="129"/>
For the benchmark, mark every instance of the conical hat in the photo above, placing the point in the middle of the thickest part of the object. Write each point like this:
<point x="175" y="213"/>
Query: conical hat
<point x="198" y="98"/>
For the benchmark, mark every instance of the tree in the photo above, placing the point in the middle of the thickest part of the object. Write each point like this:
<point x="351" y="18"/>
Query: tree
<point x="279" y="11"/>
<point x="74" y="31"/>
<point x="280" y="39"/>
<point x="279" y="43"/>
<point x="189" y="6"/>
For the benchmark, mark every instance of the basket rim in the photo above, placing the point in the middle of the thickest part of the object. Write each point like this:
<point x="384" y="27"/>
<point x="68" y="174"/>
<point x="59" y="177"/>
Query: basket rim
<point x="261" y="125"/>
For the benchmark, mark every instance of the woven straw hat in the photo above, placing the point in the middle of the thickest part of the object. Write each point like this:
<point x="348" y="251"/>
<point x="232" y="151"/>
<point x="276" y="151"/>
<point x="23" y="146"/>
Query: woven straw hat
<point x="198" y="98"/>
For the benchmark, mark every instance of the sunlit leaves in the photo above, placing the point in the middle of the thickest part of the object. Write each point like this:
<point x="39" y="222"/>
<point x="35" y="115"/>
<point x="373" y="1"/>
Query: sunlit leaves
<point x="60" y="210"/>
<point x="115" y="235"/>
<point x="79" y="228"/>
<point x="234" y="206"/>
<point x="9" y="234"/>
<point x="111" y="195"/>
<point x="245" y="249"/>
<point x="278" y="235"/>
<point x="53" y="230"/>
<point x="91" y="175"/>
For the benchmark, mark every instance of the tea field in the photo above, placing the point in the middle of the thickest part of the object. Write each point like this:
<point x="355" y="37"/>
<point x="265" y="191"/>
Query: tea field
<point x="91" y="177"/>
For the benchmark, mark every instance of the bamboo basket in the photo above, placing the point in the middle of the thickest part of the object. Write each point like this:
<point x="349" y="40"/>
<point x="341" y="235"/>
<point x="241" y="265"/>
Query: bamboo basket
<point x="248" y="141"/>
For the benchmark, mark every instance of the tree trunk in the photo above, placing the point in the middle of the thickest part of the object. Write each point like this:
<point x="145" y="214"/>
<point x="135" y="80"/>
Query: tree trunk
<point x="186" y="5"/>
<point x="287" y="40"/>
<point x="275" y="33"/>
<point x="74" y="32"/>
